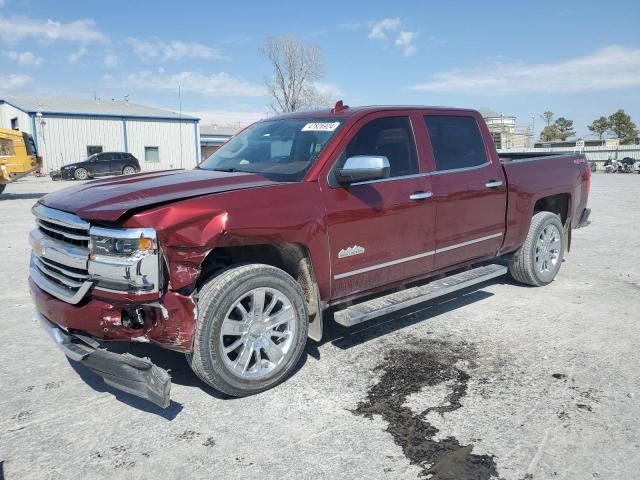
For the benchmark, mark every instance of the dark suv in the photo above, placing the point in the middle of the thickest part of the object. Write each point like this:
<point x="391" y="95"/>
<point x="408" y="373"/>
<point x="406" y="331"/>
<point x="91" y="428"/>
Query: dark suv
<point x="98" y="164"/>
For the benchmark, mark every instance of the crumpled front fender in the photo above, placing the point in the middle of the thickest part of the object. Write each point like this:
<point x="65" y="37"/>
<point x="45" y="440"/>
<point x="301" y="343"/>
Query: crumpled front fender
<point x="186" y="237"/>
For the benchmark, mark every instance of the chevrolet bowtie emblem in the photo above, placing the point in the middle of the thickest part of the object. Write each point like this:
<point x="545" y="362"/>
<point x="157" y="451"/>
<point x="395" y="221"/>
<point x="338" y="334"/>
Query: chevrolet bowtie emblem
<point x="38" y="249"/>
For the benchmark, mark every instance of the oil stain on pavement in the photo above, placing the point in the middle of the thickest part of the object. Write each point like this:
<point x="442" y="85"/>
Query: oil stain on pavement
<point x="408" y="371"/>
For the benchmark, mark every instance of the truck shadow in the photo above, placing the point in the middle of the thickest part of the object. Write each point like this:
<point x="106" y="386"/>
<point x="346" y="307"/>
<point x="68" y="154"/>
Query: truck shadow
<point x="347" y="337"/>
<point x="342" y="337"/>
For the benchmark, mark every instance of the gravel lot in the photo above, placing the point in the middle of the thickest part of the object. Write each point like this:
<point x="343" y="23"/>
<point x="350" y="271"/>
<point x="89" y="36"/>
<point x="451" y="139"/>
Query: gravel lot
<point x="499" y="381"/>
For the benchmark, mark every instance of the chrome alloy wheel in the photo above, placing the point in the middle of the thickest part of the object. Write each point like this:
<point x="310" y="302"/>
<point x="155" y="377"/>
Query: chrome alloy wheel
<point x="547" y="251"/>
<point x="257" y="333"/>
<point x="128" y="170"/>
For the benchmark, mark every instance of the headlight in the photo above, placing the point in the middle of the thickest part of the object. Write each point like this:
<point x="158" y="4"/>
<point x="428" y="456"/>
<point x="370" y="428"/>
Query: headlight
<point x="125" y="260"/>
<point x="124" y="245"/>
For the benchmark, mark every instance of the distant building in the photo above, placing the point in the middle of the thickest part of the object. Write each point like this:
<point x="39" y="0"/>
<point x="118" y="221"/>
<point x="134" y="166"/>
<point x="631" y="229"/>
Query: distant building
<point x="67" y="131"/>
<point x="213" y="137"/>
<point x="506" y="134"/>
<point x="603" y="142"/>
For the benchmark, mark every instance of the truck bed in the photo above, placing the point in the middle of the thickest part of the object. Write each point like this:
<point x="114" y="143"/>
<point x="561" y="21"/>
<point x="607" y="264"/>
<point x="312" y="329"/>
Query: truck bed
<point x="534" y="176"/>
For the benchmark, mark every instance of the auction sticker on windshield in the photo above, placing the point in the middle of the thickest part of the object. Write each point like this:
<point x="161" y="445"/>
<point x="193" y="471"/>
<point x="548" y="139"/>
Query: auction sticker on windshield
<point x="321" y="127"/>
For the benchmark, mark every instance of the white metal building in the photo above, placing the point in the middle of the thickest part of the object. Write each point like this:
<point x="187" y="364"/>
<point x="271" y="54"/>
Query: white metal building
<point x="67" y="131"/>
<point x="213" y="137"/>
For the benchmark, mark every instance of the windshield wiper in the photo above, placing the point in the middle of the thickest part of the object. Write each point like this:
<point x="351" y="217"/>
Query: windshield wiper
<point x="227" y="169"/>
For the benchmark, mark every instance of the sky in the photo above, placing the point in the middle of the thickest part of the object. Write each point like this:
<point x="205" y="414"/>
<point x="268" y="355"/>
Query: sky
<point x="580" y="60"/>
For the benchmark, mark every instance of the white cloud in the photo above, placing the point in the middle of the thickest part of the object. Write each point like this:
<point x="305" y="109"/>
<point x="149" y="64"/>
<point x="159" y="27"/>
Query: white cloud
<point x="156" y="49"/>
<point x="110" y="60"/>
<point x="77" y="55"/>
<point x="14" y="82"/>
<point x="608" y="68"/>
<point x="328" y="91"/>
<point x="13" y="29"/>
<point x="24" y="58"/>
<point x="404" y="41"/>
<point x="388" y="27"/>
<point x="380" y="29"/>
<point x="214" y="85"/>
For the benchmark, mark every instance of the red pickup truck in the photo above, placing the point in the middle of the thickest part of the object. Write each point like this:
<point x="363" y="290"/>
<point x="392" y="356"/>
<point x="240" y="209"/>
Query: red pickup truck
<point x="234" y="262"/>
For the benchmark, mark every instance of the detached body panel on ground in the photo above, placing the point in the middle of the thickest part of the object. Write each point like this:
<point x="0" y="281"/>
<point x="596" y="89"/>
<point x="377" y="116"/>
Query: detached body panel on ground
<point x="345" y="204"/>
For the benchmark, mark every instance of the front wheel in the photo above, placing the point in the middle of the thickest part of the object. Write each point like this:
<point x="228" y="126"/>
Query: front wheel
<point x="538" y="260"/>
<point x="2" y="187"/>
<point x="251" y="331"/>
<point x="80" y="174"/>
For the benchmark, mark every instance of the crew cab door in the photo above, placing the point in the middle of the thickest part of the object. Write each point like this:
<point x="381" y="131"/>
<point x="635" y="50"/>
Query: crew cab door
<point x="380" y="231"/>
<point x="470" y="189"/>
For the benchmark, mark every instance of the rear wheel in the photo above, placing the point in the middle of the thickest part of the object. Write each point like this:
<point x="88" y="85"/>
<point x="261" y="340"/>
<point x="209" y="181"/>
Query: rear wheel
<point x="538" y="260"/>
<point x="251" y="331"/>
<point x="2" y="187"/>
<point x="80" y="174"/>
<point x="128" y="170"/>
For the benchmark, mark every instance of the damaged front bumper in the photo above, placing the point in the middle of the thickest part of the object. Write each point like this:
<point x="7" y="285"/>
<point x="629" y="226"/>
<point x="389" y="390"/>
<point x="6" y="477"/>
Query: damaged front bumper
<point x="126" y="372"/>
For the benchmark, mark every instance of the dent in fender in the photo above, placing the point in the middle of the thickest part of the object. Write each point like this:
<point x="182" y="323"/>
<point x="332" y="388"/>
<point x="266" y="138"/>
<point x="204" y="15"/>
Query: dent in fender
<point x="186" y="239"/>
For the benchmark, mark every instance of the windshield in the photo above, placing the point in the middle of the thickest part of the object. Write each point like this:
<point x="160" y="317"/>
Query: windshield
<point x="281" y="150"/>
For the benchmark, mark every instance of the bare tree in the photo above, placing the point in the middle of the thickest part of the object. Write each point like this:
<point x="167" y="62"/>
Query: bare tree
<point x="547" y="116"/>
<point x="296" y="68"/>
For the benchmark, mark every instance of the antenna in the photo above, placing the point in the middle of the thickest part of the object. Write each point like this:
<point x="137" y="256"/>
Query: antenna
<point x="180" y="122"/>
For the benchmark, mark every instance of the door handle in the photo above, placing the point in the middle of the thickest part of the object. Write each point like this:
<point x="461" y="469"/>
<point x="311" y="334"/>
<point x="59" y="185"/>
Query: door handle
<point x="420" y="195"/>
<point x="493" y="184"/>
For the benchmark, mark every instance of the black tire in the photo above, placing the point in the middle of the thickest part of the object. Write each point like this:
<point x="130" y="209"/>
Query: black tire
<point x="129" y="170"/>
<point x="2" y="187"/>
<point x="523" y="266"/>
<point x="81" y="174"/>
<point x="216" y="299"/>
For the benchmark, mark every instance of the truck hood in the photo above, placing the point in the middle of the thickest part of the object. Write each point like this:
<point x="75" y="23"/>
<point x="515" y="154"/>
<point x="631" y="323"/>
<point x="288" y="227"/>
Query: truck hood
<point x="110" y="199"/>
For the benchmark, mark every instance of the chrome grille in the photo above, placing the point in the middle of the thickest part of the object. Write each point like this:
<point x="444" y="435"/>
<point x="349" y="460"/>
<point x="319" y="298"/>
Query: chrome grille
<point x="74" y="236"/>
<point x="60" y="254"/>
<point x="62" y="226"/>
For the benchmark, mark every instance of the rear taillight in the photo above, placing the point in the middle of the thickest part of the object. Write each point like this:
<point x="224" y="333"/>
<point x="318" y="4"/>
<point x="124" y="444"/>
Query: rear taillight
<point x="588" y="179"/>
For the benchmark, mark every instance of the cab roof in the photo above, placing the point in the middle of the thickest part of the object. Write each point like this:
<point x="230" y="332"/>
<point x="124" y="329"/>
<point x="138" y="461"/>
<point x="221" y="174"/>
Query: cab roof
<point x="345" y="111"/>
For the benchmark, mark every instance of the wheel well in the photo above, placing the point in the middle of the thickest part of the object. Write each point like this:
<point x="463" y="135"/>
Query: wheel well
<point x="558" y="204"/>
<point x="293" y="258"/>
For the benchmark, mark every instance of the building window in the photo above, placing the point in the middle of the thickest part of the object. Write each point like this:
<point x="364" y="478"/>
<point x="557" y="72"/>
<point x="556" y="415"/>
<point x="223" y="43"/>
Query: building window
<point x="14" y="124"/>
<point x="152" y="154"/>
<point x="93" y="149"/>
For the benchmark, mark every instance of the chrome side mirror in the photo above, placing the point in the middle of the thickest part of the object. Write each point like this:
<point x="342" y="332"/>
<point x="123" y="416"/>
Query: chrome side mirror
<point x="362" y="168"/>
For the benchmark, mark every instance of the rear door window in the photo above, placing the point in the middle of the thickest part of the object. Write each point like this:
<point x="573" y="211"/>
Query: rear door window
<point x="456" y="142"/>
